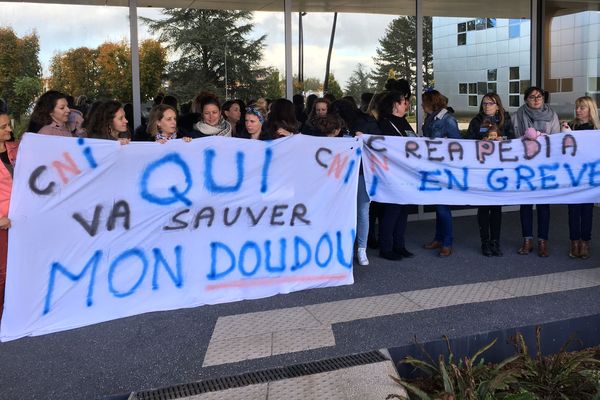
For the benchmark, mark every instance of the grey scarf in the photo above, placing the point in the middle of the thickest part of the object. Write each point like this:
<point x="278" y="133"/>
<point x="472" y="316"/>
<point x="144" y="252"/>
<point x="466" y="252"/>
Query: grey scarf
<point x="526" y="117"/>
<point x="223" y="128"/>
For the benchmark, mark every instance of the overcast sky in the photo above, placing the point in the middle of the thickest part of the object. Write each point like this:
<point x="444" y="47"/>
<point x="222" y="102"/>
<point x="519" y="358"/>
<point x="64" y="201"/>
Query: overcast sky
<point x="62" y="27"/>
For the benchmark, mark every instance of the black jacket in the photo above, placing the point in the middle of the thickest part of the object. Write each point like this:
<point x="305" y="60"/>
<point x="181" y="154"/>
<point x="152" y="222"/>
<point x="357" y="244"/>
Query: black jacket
<point x="474" y="131"/>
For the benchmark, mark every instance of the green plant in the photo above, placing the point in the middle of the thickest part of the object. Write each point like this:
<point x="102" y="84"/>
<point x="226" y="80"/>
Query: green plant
<point x="565" y="375"/>
<point x="467" y="378"/>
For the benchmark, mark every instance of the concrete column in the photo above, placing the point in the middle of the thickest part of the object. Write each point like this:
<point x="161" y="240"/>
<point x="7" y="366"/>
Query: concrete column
<point x="287" y="18"/>
<point x="135" y="64"/>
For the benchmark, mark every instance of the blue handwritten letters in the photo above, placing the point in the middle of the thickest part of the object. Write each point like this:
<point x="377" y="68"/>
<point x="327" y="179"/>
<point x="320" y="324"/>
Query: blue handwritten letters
<point x="148" y="227"/>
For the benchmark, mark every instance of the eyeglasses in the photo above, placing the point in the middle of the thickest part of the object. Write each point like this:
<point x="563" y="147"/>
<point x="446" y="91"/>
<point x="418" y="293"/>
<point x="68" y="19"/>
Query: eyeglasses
<point x="488" y="104"/>
<point x="538" y="97"/>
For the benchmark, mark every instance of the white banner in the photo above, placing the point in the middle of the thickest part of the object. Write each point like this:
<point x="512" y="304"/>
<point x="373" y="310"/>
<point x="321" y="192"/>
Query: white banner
<point x="103" y="231"/>
<point x="560" y="168"/>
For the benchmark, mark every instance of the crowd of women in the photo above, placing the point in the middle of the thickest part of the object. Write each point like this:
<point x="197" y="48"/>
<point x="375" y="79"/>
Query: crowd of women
<point x="382" y="113"/>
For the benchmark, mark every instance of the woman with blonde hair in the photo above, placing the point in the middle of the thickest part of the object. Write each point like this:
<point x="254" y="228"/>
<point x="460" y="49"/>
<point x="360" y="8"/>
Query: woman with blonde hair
<point x="580" y="215"/>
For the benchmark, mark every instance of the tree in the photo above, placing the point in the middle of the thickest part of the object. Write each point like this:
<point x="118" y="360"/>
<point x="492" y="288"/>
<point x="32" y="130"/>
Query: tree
<point x="214" y="51"/>
<point x="334" y="87"/>
<point x="105" y="72"/>
<point x="358" y="83"/>
<point x="75" y="72"/>
<point x="397" y="52"/>
<point x="273" y="85"/>
<point x="20" y="70"/>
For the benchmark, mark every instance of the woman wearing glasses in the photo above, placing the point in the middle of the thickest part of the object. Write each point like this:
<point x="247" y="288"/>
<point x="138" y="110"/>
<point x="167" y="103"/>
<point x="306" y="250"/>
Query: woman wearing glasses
<point x="536" y="114"/>
<point x="489" y="218"/>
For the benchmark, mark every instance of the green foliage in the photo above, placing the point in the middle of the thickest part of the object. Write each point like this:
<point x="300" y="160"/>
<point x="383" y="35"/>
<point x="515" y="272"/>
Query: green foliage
<point x="396" y="53"/>
<point x="565" y="375"/>
<point x="19" y="61"/>
<point x="273" y="85"/>
<point x="334" y="87"/>
<point x="358" y="83"/>
<point x="469" y="378"/>
<point x="25" y="88"/>
<point x="214" y="51"/>
<point x="310" y="84"/>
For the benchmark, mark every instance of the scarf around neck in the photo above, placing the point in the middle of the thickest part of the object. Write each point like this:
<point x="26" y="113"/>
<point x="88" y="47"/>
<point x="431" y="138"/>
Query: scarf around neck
<point x="223" y="128"/>
<point x="526" y="116"/>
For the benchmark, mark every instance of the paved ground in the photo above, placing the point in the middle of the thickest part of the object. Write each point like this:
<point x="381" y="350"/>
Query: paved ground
<point x="388" y="305"/>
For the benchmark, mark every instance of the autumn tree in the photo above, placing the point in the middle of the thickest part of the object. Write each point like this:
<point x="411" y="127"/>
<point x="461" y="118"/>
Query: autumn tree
<point x="358" y="83"/>
<point x="20" y="70"/>
<point x="105" y="72"/>
<point x="75" y="72"/>
<point x="397" y="52"/>
<point x="214" y="51"/>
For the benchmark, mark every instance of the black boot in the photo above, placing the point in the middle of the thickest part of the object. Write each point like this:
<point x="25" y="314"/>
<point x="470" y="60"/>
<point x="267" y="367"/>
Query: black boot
<point x="486" y="249"/>
<point x="495" y="248"/>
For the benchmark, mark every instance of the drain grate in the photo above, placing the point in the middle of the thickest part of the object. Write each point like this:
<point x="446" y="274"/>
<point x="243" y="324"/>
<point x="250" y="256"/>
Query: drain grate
<point x="252" y="378"/>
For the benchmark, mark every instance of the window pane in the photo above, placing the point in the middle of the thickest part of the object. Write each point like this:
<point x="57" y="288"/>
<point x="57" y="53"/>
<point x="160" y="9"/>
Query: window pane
<point x="491" y="87"/>
<point x="492" y="74"/>
<point x="473" y="101"/>
<point x="513" y="87"/>
<point x="462" y="27"/>
<point x="461" y="39"/>
<point x="471" y="25"/>
<point x="462" y="88"/>
<point x="481" y="88"/>
<point x="513" y="101"/>
<point x="473" y="88"/>
<point x="514" y="73"/>
<point x="573" y="54"/>
<point x="525" y="85"/>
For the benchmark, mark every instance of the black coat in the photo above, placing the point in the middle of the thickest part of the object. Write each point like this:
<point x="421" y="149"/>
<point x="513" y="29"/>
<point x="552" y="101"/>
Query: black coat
<point x="474" y="131"/>
<point x="392" y="125"/>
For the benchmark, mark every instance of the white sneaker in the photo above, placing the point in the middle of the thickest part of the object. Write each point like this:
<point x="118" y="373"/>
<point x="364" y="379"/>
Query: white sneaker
<point x="362" y="256"/>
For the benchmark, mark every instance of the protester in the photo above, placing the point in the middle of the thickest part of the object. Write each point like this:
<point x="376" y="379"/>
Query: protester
<point x="109" y="122"/>
<point x="254" y="120"/>
<point x="537" y="115"/>
<point x="440" y="123"/>
<point x="162" y="125"/>
<point x="8" y="152"/>
<point x="393" y="217"/>
<point x="491" y="114"/>
<point x="50" y="116"/>
<point x="212" y="123"/>
<point x="328" y="125"/>
<point x="233" y="112"/>
<point x="319" y="109"/>
<point x="281" y="119"/>
<point x="581" y="215"/>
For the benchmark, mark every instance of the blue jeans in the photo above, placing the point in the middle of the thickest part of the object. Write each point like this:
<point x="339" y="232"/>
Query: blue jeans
<point x="580" y="221"/>
<point x="443" y="225"/>
<point x="543" y="220"/>
<point x="362" y="223"/>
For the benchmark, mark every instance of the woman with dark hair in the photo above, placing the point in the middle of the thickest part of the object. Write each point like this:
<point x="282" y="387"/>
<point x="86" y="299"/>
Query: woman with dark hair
<point x="212" y="122"/>
<point x="162" y="124"/>
<point x="8" y="153"/>
<point x="536" y="114"/>
<point x="254" y="120"/>
<point x="319" y="109"/>
<point x="109" y="122"/>
<point x="393" y="217"/>
<point x="281" y="120"/>
<point x="581" y="215"/>
<point x="50" y="116"/>
<point x="440" y="123"/>
<point x="233" y="112"/>
<point x="489" y="218"/>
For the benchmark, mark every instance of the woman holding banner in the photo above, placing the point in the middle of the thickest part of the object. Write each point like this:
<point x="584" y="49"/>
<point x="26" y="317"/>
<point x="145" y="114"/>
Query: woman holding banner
<point x="50" y="116"/>
<point x="108" y="122"/>
<point x="489" y="218"/>
<point x="580" y="215"/>
<point x="162" y="124"/>
<point x="535" y="114"/>
<point x="212" y="123"/>
<point x="440" y="123"/>
<point x="8" y="152"/>
<point x="393" y="217"/>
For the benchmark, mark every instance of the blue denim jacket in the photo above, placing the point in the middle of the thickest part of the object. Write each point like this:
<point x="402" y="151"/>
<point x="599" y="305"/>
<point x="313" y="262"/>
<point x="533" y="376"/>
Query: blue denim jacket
<point x="441" y="125"/>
